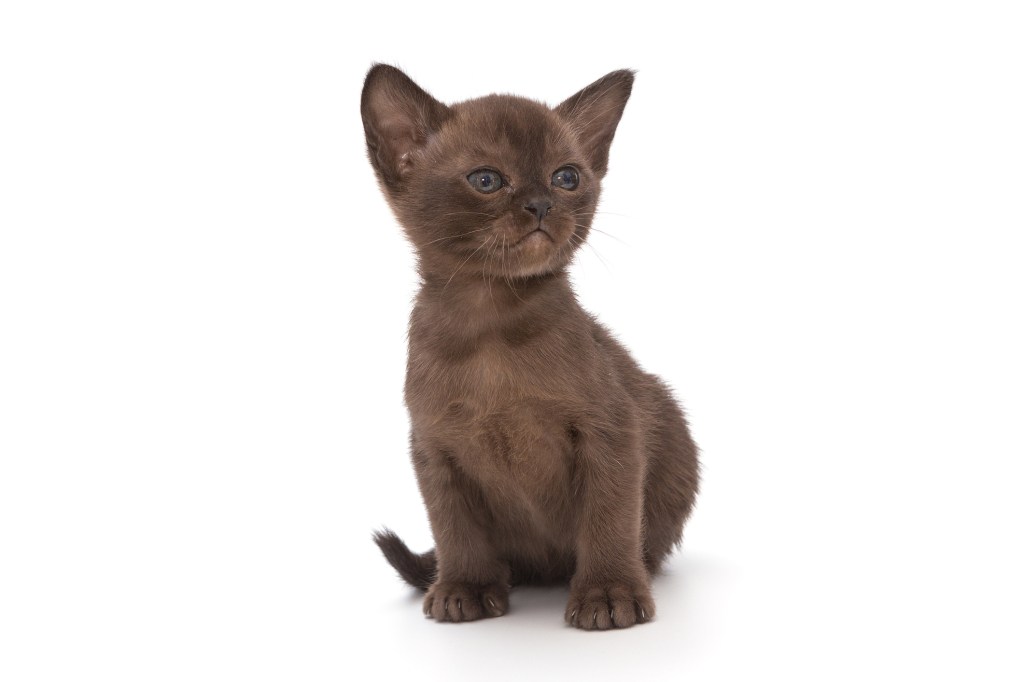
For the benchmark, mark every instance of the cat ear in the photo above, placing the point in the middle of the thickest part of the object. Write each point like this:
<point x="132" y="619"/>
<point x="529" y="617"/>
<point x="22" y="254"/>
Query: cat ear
<point x="398" y="117"/>
<point x="594" y="113"/>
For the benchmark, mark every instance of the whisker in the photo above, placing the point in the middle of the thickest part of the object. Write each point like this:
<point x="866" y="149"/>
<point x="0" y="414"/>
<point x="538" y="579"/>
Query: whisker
<point x="603" y="262"/>
<point x="455" y="213"/>
<point x="504" y="275"/>
<point x="466" y="260"/>
<point x="583" y="242"/>
<point x="600" y="231"/>
<point x="579" y="213"/>
<point x="490" y="293"/>
<point x="456" y="236"/>
<point x="609" y="234"/>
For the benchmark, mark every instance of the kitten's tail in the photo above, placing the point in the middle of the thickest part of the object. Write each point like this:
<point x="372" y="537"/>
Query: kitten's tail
<point x="419" y="570"/>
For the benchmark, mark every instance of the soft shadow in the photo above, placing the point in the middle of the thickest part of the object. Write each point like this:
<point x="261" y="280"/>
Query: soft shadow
<point x="685" y="591"/>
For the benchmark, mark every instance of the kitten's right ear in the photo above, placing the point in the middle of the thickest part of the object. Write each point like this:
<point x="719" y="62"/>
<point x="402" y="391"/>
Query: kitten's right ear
<point x="398" y="117"/>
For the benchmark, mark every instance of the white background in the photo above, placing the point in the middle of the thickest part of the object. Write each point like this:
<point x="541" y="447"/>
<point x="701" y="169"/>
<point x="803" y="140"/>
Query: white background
<point x="813" y="220"/>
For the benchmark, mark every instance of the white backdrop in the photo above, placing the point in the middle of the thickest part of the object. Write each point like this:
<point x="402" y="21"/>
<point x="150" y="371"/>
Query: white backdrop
<point x="813" y="220"/>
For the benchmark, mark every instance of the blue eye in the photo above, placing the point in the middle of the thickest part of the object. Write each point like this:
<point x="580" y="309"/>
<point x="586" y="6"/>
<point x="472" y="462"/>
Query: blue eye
<point x="566" y="177"/>
<point x="485" y="181"/>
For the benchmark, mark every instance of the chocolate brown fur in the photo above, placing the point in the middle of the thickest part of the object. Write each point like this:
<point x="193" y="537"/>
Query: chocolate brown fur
<point x="543" y="452"/>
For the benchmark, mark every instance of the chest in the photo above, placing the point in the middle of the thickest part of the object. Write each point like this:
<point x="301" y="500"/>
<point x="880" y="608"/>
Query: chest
<point x="496" y="375"/>
<point x="504" y="414"/>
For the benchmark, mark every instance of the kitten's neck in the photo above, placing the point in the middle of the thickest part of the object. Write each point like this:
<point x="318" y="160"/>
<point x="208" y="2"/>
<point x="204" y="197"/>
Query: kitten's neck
<point x="468" y="307"/>
<point x="474" y="294"/>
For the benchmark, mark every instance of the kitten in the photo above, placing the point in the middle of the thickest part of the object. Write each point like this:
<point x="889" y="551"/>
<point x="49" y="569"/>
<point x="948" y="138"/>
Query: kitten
<point x="543" y="452"/>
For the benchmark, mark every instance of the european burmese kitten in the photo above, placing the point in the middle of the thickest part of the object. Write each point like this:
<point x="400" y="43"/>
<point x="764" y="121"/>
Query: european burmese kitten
<point x="543" y="452"/>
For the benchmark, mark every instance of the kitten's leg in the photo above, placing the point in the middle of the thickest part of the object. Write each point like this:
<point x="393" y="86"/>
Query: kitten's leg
<point x="472" y="582"/>
<point x="611" y="586"/>
<point x="673" y="479"/>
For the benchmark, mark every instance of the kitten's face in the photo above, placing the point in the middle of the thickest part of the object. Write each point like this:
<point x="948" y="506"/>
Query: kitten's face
<point x="502" y="189"/>
<point x="499" y="186"/>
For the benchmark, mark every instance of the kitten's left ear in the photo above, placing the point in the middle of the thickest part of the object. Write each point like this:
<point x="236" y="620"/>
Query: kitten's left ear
<point x="594" y="113"/>
<point x="398" y="117"/>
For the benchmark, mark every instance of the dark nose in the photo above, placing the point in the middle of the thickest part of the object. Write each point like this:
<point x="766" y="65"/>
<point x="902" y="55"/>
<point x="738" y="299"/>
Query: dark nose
<point x="538" y="207"/>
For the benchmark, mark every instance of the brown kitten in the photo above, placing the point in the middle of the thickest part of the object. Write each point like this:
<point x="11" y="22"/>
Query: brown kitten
<point x="542" y="450"/>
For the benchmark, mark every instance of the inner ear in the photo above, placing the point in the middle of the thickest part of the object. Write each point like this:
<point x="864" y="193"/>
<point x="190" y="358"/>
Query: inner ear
<point x="398" y="119"/>
<point x="593" y="113"/>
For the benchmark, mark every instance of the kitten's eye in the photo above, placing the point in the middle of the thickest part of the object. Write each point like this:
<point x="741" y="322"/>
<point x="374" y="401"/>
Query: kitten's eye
<point x="485" y="181"/>
<point x="566" y="178"/>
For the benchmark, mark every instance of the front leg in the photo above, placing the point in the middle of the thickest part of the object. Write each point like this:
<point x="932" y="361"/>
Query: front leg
<point x="472" y="582"/>
<point x="611" y="586"/>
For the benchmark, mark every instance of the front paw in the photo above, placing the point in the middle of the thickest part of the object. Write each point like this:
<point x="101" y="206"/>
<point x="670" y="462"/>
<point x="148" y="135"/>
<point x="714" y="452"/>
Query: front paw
<point x="609" y="605"/>
<point x="460" y="602"/>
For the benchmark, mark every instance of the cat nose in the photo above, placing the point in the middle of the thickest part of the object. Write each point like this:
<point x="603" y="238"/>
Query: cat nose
<point x="539" y="207"/>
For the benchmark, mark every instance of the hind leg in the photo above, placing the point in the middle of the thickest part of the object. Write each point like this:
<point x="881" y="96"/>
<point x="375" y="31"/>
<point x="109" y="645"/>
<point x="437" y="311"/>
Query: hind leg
<point x="672" y="482"/>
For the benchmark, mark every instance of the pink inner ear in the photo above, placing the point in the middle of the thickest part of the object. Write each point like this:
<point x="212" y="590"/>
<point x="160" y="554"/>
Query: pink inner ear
<point x="402" y="138"/>
<point x="404" y="163"/>
<point x="399" y="135"/>
<point x="398" y="116"/>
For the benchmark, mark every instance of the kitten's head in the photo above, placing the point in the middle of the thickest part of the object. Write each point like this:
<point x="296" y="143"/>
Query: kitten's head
<point x="500" y="186"/>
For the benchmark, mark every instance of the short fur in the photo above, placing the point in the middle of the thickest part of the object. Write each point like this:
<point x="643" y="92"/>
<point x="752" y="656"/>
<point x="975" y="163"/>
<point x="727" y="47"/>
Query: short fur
<point x="543" y="452"/>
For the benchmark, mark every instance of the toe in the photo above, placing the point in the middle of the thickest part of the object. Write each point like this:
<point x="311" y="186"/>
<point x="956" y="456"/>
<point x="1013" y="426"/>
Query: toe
<point x="613" y="606"/>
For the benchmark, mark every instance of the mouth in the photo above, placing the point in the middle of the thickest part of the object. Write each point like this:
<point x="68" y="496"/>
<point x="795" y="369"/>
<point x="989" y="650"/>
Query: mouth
<point x="537" y="236"/>
<point x="536" y="252"/>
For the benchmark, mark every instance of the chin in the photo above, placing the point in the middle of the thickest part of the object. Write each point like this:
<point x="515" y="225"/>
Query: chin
<point x="545" y="265"/>
<point x="537" y="270"/>
<point x="538" y="254"/>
